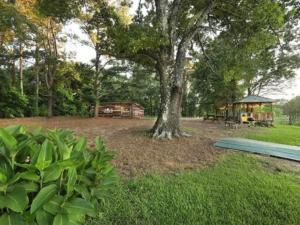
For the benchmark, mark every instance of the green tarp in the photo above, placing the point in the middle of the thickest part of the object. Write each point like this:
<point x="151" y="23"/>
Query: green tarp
<point x="261" y="147"/>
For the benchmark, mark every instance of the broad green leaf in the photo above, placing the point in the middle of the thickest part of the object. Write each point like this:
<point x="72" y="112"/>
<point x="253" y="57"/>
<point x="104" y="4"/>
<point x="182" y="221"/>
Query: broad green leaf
<point x="3" y="177"/>
<point x="43" y="218"/>
<point x="67" y="153"/>
<point x="99" y="144"/>
<point x="43" y="197"/>
<point x="15" y="129"/>
<point x="28" y="186"/>
<point x="30" y="176"/>
<point x="52" y="172"/>
<point x="54" y="205"/>
<point x="45" y="155"/>
<point x="2" y="201"/>
<point x="17" y="200"/>
<point x="85" y="180"/>
<point x="90" y="171"/>
<point x="68" y="163"/>
<point x="11" y="219"/>
<point x="9" y="141"/>
<point x="5" y="166"/>
<point x="75" y="221"/>
<point x="80" y="206"/>
<point x="77" y="155"/>
<point x="14" y="179"/>
<point x="108" y="169"/>
<point x="25" y="166"/>
<point x="61" y="219"/>
<point x="80" y="145"/>
<point x="38" y="131"/>
<point x="24" y="144"/>
<point x="4" y="152"/>
<point x="64" y="150"/>
<point x="72" y="178"/>
<point x="83" y="191"/>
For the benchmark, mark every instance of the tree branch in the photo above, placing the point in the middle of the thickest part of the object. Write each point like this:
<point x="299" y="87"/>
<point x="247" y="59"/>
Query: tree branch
<point x="195" y="23"/>
<point x="162" y="13"/>
<point x="173" y="18"/>
<point x="206" y="56"/>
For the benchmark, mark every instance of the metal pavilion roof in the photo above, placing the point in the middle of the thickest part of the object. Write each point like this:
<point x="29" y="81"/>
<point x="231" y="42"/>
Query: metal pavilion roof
<point x="255" y="99"/>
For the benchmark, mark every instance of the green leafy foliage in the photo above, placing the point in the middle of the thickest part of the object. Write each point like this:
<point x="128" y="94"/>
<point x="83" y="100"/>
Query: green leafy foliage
<point x="61" y="9"/>
<point x="50" y="178"/>
<point x="12" y="103"/>
<point x="292" y="110"/>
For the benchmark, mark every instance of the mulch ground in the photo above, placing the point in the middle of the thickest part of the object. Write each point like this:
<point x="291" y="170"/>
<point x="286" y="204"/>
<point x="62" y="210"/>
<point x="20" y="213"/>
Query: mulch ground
<point x="136" y="152"/>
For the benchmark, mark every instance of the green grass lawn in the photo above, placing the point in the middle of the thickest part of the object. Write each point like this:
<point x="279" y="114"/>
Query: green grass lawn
<point x="239" y="190"/>
<point x="283" y="134"/>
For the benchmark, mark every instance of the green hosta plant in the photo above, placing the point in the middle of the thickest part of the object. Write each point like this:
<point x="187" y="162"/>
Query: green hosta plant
<point x="51" y="178"/>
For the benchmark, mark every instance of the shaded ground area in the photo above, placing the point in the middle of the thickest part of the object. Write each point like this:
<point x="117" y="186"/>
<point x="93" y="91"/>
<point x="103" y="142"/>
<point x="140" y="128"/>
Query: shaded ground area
<point x="136" y="153"/>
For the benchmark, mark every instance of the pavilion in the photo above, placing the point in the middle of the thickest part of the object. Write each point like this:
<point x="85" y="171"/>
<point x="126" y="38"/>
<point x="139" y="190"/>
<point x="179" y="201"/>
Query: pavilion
<point x="253" y="105"/>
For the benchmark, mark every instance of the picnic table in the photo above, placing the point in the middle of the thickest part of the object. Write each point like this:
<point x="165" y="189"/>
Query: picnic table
<point x="232" y="124"/>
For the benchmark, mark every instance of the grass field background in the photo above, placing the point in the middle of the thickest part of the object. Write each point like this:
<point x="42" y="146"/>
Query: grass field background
<point x="282" y="134"/>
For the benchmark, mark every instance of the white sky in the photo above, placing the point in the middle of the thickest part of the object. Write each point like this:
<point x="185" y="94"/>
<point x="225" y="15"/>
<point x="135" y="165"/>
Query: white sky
<point x="83" y="53"/>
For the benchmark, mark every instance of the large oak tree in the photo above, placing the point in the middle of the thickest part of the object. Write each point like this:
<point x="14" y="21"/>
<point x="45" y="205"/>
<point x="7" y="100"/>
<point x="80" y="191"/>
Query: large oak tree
<point x="164" y="32"/>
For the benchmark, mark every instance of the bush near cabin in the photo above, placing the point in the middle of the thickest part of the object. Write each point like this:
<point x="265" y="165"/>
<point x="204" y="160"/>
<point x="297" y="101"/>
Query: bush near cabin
<point x="292" y="110"/>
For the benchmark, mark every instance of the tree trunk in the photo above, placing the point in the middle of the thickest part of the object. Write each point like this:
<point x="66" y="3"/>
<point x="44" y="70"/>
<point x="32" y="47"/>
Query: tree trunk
<point x="13" y="73"/>
<point x="249" y="91"/>
<point x="97" y="101"/>
<point x="171" y="63"/>
<point x="50" y="46"/>
<point x="167" y="124"/>
<point x="172" y="83"/>
<point x="37" y="81"/>
<point x="96" y="109"/>
<point x="97" y="80"/>
<point x="185" y="99"/>
<point x="21" y="69"/>
<point x="50" y="102"/>
<point x="50" y="83"/>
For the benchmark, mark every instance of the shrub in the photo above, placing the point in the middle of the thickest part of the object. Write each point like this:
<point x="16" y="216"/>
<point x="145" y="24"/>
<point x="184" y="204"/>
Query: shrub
<point x="12" y="104"/>
<point x="51" y="177"/>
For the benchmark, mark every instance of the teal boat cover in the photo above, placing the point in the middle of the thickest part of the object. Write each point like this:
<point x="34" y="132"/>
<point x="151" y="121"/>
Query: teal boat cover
<point x="260" y="147"/>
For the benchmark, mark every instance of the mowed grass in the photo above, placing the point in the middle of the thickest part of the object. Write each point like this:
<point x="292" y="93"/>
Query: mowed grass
<point x="283" y="134"/>
<point x="239" y="190"/>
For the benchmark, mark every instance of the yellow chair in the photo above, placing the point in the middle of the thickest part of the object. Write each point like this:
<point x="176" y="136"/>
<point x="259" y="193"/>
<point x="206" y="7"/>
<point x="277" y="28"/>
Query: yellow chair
<point x="244" y="118"/>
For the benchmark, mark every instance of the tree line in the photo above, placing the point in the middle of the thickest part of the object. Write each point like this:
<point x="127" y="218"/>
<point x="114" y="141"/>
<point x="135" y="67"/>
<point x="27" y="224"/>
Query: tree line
<point x="178" y="57"/>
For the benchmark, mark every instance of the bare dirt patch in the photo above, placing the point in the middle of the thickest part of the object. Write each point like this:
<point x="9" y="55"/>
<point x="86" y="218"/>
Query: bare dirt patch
<point x="136" y="152"/>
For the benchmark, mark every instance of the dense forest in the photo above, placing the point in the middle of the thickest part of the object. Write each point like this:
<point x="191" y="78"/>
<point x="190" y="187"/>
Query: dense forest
<point x="37" y="79"/>
<point x="174" y="58"/>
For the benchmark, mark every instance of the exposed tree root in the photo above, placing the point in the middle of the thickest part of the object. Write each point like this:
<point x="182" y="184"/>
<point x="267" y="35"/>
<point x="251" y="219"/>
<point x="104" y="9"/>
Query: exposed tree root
<point x="168" y="134"/>
<point x="184" y="134"/>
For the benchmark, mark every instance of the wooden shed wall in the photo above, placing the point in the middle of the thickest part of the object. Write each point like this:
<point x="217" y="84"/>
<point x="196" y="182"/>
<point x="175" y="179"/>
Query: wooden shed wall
<point x="126" y="110"/>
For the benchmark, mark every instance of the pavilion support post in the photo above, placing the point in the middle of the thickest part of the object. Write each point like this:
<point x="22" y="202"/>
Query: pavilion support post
<point x="272" y="112"/>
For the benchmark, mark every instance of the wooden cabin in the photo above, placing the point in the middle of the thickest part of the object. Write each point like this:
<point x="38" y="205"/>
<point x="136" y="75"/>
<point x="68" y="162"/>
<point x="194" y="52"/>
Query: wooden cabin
<point x="121" y="110"/>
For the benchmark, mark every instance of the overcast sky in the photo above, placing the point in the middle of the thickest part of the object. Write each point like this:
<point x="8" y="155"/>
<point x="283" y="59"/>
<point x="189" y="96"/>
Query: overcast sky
<point x="83" y="53"/>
